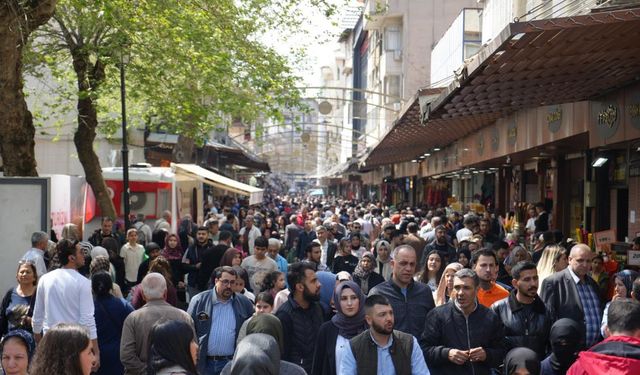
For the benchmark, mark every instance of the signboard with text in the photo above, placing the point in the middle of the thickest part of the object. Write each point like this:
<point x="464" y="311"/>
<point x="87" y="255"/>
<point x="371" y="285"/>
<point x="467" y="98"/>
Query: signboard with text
<point x="604" y="238"/>
<point x="633" y="258"/>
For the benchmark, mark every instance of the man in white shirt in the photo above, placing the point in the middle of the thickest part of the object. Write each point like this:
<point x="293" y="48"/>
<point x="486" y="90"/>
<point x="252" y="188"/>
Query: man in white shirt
<point x="366" y="225"/>
<point x="39" y="242"/>
<point x="64" y="296"/>
<point x="469" y="223"/>
<point x="133" y="254"/>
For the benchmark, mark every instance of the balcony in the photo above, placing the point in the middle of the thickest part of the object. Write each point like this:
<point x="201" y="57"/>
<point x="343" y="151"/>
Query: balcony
<point x="378" y="12"/>
<point x="459" y="42"/>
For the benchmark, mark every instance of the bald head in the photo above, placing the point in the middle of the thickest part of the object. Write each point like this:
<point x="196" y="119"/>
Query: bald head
<point x="580" y="259"/>
<point x="154" y="287"/>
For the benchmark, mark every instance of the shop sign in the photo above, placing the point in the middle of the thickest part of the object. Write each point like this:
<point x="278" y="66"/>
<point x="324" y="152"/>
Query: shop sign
<point x="633" y="109"/>
<point x="634" y="170"/>
<point x="512" y="133"/>
<point x="633" y="257"/>
<point x="554" y="118"/>
<point x="607" y="119"/>
<point x="480" y="143"/>
<point x="605" y="237"/>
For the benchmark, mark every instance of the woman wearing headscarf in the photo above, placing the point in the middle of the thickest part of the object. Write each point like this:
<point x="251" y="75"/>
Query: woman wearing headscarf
<point x="335" y="334"/>
<point x="622" y="290"/>
<point x="364" y="276"/>
<point x="566" y="340"/>
<point x="464" y="257"/>
<point x="17" y="349"/>
<point x="263" y="305"/>
<point x="101" y="263"/>
<point x="383" y="259"/>
<point x="521" y="361"/>
<point x="258" y="354"/>
<point x="266" y="323"/>
<point x="445" y="287"/>
<point x="173" y="253"/>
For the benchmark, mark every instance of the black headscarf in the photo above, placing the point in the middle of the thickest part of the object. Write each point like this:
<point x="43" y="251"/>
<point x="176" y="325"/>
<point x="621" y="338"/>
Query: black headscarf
<point x="269" y="324"/>
<point x="520" y="358"/>
<point x="566" y="339"/>
<point x="349" y="327"/>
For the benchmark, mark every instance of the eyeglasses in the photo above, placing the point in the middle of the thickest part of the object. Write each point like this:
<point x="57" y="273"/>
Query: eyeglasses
<point x="227" y="282"/>
<point x="25" y="261"/>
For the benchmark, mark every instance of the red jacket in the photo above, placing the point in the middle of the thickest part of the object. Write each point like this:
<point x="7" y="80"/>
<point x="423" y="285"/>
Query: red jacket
<point x="617" y="355"/>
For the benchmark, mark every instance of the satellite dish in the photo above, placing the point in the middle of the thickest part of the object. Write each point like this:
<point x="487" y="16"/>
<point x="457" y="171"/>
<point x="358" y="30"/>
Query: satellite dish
<point x="305" y="137"/>
<point x="325" y="108"/>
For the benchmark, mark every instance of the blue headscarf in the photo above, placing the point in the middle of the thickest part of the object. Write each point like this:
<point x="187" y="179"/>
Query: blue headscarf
<point x="25" y="336"/>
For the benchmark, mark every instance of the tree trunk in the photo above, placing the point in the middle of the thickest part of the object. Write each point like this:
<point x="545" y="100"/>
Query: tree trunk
<point x="184" y="150"/>
<point x="16" y="123"/>
<point x="85" y="134"/>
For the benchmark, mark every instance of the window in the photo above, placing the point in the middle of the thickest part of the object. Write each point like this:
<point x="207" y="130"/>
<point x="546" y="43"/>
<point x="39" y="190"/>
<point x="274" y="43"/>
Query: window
<point x="392" y="88"/>
<point x="393" y="38"/>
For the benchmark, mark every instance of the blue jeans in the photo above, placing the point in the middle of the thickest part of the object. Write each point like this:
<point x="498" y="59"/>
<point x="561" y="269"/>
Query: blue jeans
<point x="215" y="367"/>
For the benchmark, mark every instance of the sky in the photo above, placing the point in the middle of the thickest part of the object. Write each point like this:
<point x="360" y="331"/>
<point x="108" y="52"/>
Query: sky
<point x="320" y="37"/>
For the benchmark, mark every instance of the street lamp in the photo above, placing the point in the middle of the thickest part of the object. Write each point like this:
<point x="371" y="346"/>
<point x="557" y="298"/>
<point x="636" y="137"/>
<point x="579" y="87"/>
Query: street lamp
<point x="124" y="59"/>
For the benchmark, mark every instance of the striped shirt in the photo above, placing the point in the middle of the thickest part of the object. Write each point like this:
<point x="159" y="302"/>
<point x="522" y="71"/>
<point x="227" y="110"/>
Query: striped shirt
<point x="222" y="337"/>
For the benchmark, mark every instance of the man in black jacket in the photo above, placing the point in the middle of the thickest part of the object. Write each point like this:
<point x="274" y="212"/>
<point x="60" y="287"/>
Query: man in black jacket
<point x="211" y="259"/>
<point x="523" y="313"/>
<point x="572" y="294"/>
<point x="301" y="316"/>
<point x="462" y="336"/>
<point x="192" y="260"/>
<point x="411" y="300"/>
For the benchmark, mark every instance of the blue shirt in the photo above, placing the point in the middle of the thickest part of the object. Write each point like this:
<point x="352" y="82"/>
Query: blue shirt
<point x="591" y="307"/>
<point x="283" y="266"/>
<point x="348" y="365"/>
<point x="222" y="337"/>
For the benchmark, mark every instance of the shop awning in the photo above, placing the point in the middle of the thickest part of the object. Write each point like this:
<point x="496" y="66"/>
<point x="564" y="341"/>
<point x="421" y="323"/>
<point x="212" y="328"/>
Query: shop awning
<point x="529" y="64"/>
<point x="218" y="181"/>
<point x="232" y="153"/>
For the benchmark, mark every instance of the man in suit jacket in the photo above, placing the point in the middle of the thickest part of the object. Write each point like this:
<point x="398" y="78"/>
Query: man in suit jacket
<point x="572" y="294"/>
<point x="328" y="247"/>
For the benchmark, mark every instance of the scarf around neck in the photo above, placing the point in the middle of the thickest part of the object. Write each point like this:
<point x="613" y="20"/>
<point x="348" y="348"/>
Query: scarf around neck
<point x="348" y="327"/>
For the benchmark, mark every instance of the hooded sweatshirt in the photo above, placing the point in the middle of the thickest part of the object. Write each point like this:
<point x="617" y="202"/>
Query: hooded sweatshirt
<point x="617" y="355"/>
<point x="521" y="358"/>
<point x="258" y="354"/>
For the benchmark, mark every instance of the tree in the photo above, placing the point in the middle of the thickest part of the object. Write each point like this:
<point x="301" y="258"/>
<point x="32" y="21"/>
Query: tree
<point x="194" y="65"/>
<point x="18" y="19"/>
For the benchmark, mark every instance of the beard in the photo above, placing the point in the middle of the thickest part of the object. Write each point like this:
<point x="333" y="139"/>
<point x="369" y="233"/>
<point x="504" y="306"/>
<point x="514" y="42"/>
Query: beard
<point x="381" y="329"/>
<point x="310" y="297"/>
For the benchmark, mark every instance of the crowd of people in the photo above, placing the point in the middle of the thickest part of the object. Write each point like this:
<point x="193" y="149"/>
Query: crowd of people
<point x="307" y="287"/>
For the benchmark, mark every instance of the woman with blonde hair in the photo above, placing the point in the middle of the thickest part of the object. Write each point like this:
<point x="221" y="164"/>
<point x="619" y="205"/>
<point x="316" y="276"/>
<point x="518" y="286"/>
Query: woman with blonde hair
<point x="445" y="287"/>
<point x="553" y="259"/>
